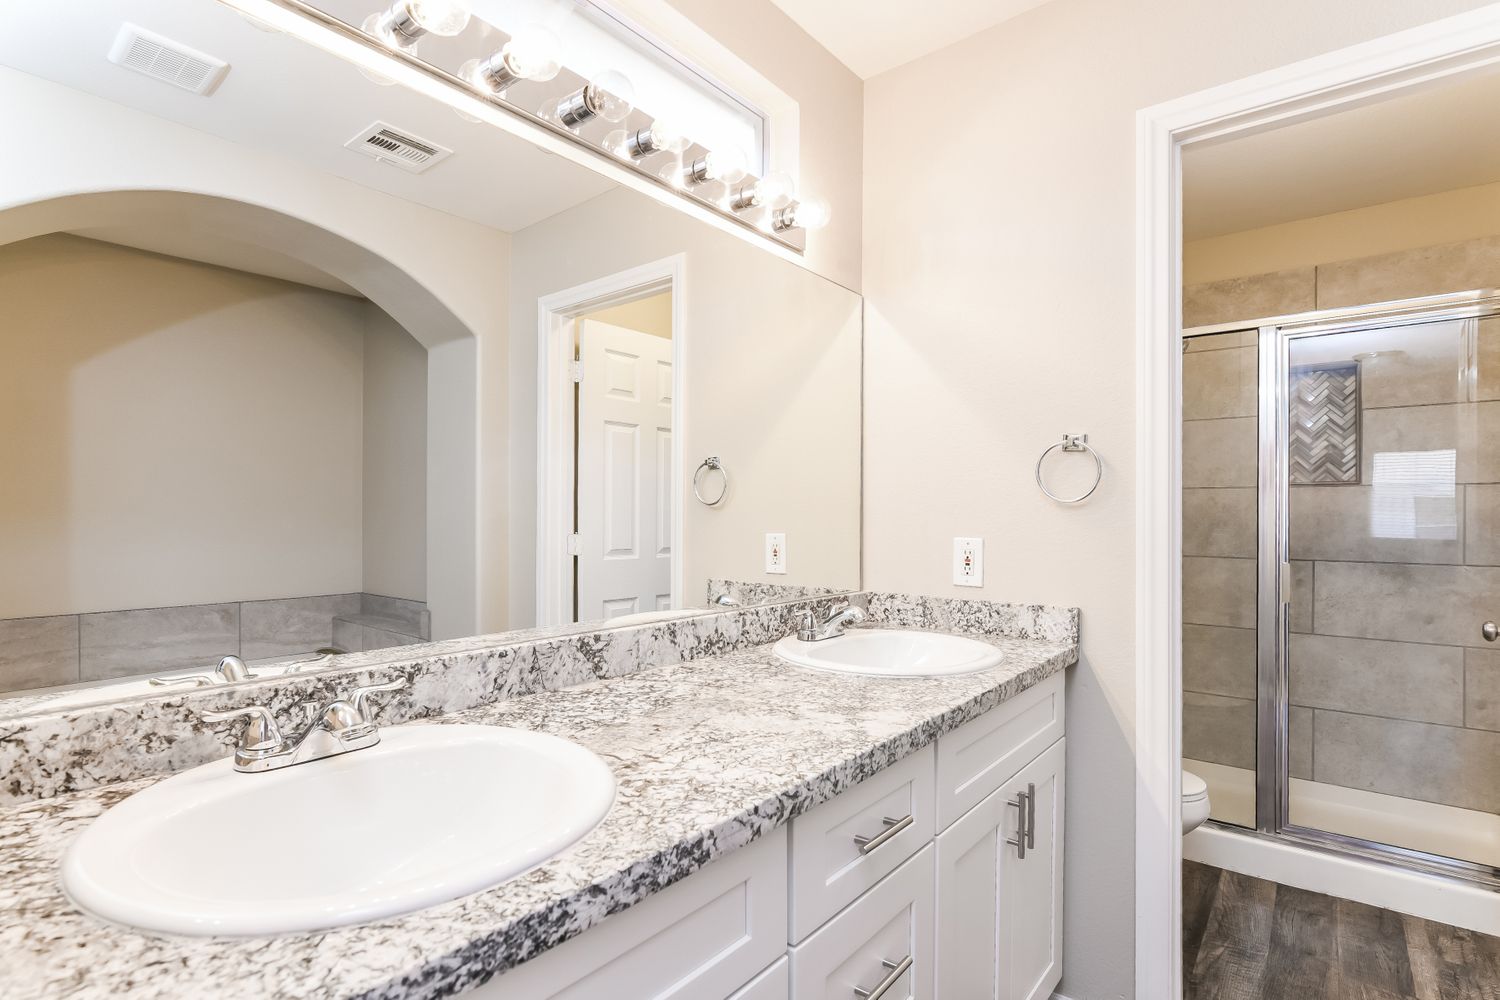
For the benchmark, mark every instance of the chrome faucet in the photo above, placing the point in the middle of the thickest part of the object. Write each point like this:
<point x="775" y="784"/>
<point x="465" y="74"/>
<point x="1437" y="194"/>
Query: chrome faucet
<point x="341" y="726"/>
<point x="230" y="669"/>
<point x="320" y="658"/>
<point x="839" y="617"/>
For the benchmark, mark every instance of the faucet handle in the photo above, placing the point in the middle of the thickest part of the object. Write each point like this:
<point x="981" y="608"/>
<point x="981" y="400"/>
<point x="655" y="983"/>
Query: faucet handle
<point x="261" y="734"/>
<point x="361" y="696"/>
<point x="196" y="680"/>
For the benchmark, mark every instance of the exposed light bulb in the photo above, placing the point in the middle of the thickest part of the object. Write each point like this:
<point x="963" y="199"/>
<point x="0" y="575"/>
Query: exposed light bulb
<point x="772" y="191"/>
<point x="810" y="213"/>
<point x="533" y="53"/>
<point x="610" y="96"/>
<point x="661" y="136"/>
<point x="727" y="165"/>
<point x="441" y="17"/>
<point x="406" y="21"/>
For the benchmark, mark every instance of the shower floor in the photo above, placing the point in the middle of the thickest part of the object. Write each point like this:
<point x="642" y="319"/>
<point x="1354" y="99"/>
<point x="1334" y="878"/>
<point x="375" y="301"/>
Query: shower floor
<point x="1386" y="819"/>
<point x="1244" y="937"/>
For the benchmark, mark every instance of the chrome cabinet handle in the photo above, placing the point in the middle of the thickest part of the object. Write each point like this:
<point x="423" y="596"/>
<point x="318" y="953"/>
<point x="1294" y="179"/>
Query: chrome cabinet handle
<point x="1490" y="631"/>
<point x="1025" y="838"/>
<point x="1030" y="817"/>
<point x="892" y="827"/>
<point x="897" y="970"/>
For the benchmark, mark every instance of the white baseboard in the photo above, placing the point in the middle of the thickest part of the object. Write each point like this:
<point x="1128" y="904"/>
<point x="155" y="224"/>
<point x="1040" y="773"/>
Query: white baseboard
<point x="1427" y="896"/>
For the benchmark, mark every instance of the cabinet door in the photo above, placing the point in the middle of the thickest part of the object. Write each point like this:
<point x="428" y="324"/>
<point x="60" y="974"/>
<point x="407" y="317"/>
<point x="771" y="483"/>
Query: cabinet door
<point x="1031" y="888"/>
<point x="999" y="919"/>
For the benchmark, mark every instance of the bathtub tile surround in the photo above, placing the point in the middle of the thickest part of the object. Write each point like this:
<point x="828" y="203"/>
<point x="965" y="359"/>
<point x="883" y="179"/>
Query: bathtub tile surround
<point x="709" y="755"/>
<point x="38" y="652"/>
<point x="119" y="643"/>
<point x="67" y="649"/>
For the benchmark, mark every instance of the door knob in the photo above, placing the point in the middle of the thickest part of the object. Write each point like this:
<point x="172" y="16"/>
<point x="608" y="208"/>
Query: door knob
<point x="1490" y="631"/>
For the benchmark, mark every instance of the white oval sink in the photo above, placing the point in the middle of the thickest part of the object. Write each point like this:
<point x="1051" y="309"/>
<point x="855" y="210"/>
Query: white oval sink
<point x="430" y="814"/>
<point x="883" y="652"/>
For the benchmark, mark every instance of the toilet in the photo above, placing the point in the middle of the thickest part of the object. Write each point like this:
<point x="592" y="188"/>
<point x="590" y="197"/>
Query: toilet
<point x="1194" y="801"/>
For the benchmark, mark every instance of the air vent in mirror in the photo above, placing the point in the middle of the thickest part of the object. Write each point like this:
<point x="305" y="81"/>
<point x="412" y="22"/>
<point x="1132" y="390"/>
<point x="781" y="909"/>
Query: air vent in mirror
<point x="171" y="62"/>
<point x="400" y="149"/>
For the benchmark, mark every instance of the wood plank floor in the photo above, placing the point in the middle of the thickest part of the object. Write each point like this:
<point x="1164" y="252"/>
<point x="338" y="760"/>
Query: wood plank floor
<point x="1247" y="939"/>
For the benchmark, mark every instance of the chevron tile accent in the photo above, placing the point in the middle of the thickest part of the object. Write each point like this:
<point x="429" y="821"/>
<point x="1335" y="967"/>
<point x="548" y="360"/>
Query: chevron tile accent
<point x="1323" y="442"/>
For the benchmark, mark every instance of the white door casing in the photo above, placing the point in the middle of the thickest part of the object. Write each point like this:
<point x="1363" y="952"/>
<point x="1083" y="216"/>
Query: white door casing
<point x="1341" y="79"/>
<point x="624" y="472"/>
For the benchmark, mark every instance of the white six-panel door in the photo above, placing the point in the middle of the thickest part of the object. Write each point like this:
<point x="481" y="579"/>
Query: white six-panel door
<point x="624" y="472"/>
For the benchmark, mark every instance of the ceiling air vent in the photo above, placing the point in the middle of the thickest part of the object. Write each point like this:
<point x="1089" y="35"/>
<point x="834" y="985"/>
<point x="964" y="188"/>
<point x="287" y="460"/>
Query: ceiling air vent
<point x="399" y="149"/>
<point x="172" y="62"/>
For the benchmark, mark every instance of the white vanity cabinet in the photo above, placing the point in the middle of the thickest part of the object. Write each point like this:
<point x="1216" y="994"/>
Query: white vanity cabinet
<point x="939" y="878"/>
<point x="999" y="888"/>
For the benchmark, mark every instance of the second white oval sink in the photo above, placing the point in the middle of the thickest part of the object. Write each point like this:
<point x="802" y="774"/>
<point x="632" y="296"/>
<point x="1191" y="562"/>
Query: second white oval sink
<point x="430" y="814"/>
<point x="883" y="652"/>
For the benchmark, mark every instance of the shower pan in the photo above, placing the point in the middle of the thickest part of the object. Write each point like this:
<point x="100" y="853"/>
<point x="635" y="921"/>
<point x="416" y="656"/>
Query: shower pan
<point x="1341" y="577"/>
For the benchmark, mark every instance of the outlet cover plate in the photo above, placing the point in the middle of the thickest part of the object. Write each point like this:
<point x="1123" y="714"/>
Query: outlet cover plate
<point x="775" y="552"/>
<point x="968" y="562"/>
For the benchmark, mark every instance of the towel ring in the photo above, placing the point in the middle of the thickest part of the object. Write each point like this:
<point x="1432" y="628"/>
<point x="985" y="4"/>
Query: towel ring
<point x="1071" y="442"/>
<point x="712" y="464"/>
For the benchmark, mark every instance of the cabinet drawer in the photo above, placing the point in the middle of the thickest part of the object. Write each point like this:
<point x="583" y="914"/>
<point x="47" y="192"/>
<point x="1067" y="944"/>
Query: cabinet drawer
<point x="773" y="984"/>
<point x="706" y="936"/>
<point x="886" y="933"/>
<point x="830" y="868"/>
<point x="980" y="756"/>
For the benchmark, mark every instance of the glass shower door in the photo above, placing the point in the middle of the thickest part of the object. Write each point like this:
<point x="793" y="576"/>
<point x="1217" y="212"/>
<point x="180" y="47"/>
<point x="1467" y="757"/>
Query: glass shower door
<point x="1383" y="711"/>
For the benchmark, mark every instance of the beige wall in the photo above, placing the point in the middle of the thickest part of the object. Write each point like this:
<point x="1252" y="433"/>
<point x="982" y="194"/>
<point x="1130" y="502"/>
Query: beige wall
<point x="1444" y="217"/>
<point x="175" y="433"/>
<point x="652" y="315"/>
<point x="999" y="274"/>
<point x="395" y="460"/>
<point x="440" y="277"/>
<point x="772" y="386"/>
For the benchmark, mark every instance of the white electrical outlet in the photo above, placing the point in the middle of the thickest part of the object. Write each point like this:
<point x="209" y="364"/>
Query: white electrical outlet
<point x="775" y="552"/>
<point x="968" y="562"/>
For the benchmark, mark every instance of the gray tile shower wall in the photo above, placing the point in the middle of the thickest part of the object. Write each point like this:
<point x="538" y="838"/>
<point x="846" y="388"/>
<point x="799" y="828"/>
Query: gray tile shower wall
<point x="1393" y="689"/>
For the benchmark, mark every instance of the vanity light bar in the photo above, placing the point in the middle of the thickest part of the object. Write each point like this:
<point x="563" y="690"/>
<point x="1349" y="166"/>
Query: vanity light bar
<point x="710" y="179"/>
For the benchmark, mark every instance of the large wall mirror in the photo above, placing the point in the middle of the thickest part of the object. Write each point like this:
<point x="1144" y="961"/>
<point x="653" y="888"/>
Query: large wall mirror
<point x="268" y="397"/>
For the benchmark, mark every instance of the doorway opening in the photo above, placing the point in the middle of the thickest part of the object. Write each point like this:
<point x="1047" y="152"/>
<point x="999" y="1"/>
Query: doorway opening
<point x="610" y="462"/>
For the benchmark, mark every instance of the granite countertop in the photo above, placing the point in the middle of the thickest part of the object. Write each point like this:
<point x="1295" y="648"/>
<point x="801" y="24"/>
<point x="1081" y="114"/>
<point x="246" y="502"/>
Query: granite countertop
<point x="708" y="754"/>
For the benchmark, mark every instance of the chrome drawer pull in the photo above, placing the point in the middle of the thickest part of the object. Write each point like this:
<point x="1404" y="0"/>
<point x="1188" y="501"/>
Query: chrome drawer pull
<point x="1025" y="838"/>
<point x="898" y="969"/>
<point x="892" y="827"/>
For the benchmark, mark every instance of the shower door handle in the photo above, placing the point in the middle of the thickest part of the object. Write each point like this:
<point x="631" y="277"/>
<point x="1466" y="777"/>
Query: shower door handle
<point x="1490" y="631"/>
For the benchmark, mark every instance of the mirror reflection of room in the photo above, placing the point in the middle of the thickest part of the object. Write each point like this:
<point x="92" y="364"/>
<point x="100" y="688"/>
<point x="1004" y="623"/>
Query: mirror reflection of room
<point x="334" y="406"/>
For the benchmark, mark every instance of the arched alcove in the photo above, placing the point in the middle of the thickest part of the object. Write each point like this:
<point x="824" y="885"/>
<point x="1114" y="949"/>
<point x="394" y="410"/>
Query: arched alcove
<point x="231" y="232"/>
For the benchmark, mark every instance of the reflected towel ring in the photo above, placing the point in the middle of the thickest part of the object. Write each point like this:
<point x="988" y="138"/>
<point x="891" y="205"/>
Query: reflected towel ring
<point x="1071" y="442"/>
<point x="712" y="464"/>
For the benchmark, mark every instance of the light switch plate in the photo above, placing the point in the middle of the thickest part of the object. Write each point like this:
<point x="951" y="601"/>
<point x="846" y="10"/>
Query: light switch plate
<point x="775" y="552"/>
<point x="968" y="562"/>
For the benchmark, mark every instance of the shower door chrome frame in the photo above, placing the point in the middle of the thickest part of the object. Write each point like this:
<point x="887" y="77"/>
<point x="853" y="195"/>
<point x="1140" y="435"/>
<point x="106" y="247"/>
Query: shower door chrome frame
<point x="1274" y="571"/>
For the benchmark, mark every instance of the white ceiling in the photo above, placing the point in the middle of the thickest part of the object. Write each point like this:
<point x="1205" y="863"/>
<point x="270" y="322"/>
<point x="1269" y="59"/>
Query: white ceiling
<point x="1438" y="139"/>
<point x="286" y="96"/>
<point x="872" y="36"/>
